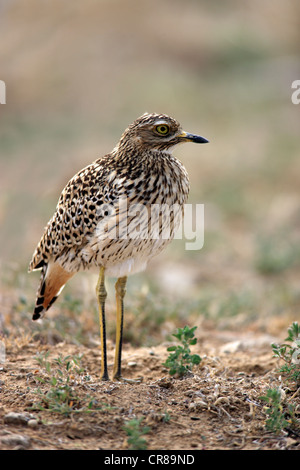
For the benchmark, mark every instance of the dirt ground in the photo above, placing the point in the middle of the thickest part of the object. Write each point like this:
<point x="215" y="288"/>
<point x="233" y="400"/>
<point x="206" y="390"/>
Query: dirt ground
<point x="218" y="407"/>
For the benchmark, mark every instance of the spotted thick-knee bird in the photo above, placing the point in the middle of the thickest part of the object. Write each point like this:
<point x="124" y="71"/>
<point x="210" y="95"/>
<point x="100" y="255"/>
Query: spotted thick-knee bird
<point x="115" y="215"/>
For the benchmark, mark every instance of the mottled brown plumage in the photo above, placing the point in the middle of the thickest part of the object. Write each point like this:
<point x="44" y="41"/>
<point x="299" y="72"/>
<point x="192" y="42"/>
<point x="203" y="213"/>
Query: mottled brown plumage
<point x="113" y="214"/>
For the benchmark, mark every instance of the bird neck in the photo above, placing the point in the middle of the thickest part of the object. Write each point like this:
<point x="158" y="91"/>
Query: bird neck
<point x="127" y="151"/>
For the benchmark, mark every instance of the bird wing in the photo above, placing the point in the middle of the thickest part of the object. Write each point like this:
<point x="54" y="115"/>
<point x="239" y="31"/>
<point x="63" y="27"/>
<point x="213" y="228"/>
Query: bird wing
<point x="76" y="215"/>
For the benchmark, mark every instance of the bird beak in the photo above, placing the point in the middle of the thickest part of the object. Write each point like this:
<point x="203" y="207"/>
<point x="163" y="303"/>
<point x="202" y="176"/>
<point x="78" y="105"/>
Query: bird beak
<point x="186" y="137"/>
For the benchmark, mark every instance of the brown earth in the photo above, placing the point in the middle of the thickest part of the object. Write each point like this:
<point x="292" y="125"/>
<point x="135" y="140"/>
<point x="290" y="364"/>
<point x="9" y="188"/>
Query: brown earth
<point x="218" y="407"/>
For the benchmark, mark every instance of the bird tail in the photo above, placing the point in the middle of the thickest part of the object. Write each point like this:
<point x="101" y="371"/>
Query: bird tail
<point x="53" y="280"/>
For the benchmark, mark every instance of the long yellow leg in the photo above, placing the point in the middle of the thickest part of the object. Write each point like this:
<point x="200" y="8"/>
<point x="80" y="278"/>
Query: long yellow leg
<point x="120" y="293"/>
<point x="101" y="296"/>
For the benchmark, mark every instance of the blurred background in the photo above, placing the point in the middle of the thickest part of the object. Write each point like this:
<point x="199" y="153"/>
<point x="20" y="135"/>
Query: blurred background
<point x="77" y="73"/>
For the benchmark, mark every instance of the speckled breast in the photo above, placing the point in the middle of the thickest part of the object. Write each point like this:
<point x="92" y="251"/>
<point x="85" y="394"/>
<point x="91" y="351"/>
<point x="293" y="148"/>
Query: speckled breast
<point x="141" y="221"/>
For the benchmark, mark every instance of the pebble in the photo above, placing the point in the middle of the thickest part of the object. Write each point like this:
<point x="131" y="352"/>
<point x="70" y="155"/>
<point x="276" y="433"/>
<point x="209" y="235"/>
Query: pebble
<point x="231" y="347"/>
<point x="15" y="418"/>
<point x="132" y="364"/>
<point x="15" y="440"/>
<point x="32" y="423"/>
<point x="20" y="418"/>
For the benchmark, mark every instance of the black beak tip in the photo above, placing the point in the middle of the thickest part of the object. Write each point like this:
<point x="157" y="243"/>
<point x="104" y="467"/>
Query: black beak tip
<point x="197" y="139"/>
<point x="200" y="140"/>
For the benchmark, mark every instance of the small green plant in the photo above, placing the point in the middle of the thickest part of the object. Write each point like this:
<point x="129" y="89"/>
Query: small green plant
<point x="282" y="413"/>
<point x="61" y="376"/>
<point x="290" y="354"/>
<point x="276" y="412"/>
<point x="181" y="361"/>
<point x="135" y="431"/>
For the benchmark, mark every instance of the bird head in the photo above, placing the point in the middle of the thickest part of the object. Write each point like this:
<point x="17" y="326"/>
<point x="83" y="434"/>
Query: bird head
<point x="157" y="132"/>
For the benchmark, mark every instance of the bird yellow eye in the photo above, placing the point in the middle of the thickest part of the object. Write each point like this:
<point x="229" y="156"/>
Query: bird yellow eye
<point x="162" y="129"/>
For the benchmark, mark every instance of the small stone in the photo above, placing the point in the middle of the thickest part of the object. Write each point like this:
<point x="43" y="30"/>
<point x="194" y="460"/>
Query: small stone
<point x="15" y="440"/>
<point x="231" y="347"/>
<point x="132" y="364"/>
<point x="15" y="418"/>
<point x="32" y="423"/>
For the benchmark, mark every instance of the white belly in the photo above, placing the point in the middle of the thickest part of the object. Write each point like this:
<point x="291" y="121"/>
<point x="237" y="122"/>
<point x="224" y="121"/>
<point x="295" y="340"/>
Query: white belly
<point x="125" y="268"/>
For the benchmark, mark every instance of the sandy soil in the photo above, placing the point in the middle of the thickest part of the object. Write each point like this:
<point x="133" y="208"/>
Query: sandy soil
<point x="218" y="407"/>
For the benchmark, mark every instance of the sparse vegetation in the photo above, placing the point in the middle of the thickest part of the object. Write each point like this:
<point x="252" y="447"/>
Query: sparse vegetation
<point x="181" y="361"/>
<point x="135" y="431"/>
<point x="289" y="353"/>
<point x="61" y="376"/>
<point x="282" y="412"/>
<point x="276" y="420"/>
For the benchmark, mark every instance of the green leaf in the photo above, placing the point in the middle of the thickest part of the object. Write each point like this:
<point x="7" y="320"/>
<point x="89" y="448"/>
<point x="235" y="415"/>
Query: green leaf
<point x="53" y="381"/>
<point x="196" y="359"/>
